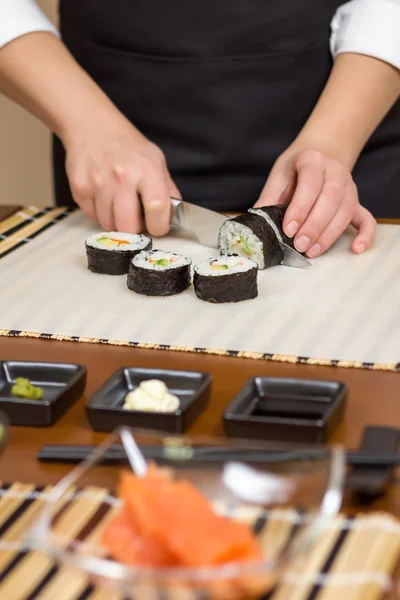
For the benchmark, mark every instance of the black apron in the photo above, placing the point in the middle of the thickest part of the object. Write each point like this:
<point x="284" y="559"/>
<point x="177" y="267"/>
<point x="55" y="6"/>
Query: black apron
<point x="223" y="87"/>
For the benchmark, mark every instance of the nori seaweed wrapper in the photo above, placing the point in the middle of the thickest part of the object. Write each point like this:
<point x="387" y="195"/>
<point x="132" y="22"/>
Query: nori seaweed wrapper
<point x="234" y="287"/>
<point x="273" y="254"/>
<point x="277" y="214"/>
<point x="111" y="262"/>
<point x="167" y="282"/>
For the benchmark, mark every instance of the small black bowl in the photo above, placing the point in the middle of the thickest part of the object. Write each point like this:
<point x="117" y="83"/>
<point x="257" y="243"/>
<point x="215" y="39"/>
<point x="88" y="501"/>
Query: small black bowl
<point x="62" y="384"/>
<point x="289" y="410"/>
<point x="105" y="410"/>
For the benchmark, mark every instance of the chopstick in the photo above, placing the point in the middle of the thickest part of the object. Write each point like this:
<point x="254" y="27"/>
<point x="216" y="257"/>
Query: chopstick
<point x="116" y="455"/>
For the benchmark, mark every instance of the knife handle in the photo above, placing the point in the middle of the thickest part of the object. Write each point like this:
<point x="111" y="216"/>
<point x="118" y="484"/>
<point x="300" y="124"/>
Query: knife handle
<point x="177" y="212"/>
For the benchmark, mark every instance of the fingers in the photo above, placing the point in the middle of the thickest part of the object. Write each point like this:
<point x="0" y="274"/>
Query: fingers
<point x="278" y="189"/>
<point x="127" y="208"/>
<point x="324" y="206"/>
<point x="310" y="180"/>
<point x="173" y="190"/>
<point x="94" y="194"/>
<point x="366" y="225"/>
<point x="154" y="193"/>
<point x="349" y="212"/>
<point x="337" y="225"/>
<point x="127" y="213"/>
<point x="113" y="194"/>
<point x="82" y="193"/>
<point x="104" y="190"/>
<point x="322" y="200"/>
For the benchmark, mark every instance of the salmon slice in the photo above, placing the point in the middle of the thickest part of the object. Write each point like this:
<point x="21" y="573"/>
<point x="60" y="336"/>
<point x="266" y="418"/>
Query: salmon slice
<point x="138" y="493"/>
<point x="224" y="540"/>
<point x="127" y="546"/>
<point x="187" y="523"/>
<point x="183" y="521"/>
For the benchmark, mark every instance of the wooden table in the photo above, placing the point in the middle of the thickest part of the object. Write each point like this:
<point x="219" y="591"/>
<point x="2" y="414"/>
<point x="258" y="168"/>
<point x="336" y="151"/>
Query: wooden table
<point x="373" y="399"/>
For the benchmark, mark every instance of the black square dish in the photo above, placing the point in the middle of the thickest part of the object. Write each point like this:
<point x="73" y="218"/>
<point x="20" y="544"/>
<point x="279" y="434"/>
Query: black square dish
<point x="62" y="384"/>
<point x="105" y="408"/>
<point x="290" y="410"/>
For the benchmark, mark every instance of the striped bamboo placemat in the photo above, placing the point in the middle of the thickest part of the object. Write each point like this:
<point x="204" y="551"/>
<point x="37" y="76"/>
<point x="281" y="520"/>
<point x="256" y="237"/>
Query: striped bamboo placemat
<point x="331" y="324"/>
<point x="353" y="560"/>
<point x="24" y="225"/>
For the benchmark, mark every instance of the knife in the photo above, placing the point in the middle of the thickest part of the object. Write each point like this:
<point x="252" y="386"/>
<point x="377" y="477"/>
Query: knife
<point x="205" y="224"/>
<point x="292" y="258"/>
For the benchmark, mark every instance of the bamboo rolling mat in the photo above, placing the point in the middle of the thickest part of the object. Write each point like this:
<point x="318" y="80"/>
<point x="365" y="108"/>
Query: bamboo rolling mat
<point x="344" y="311"/>
<point x="353" y="559"/>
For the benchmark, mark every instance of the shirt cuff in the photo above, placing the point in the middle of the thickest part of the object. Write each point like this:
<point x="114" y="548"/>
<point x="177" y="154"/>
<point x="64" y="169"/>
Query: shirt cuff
<point x="19" y="17"/>
<point x="370" y="27"/>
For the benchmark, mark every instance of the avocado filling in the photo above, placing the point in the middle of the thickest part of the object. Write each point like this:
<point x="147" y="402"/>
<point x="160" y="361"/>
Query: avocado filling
<point x="110" y="242"/>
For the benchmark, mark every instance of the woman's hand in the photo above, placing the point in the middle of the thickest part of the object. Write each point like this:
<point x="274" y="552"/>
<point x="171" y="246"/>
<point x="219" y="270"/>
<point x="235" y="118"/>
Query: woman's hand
<point x="323" y="201"/>
<point x="112" y="169"/>
<point x="313" y="174"/>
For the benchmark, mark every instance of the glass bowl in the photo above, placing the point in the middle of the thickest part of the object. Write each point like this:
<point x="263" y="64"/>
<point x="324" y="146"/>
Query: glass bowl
<point x="288" y="497"/>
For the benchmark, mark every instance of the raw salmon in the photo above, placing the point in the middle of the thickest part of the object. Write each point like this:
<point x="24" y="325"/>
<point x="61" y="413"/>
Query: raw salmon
<point x="170" y="523"/>
<point x="127" y="546"/>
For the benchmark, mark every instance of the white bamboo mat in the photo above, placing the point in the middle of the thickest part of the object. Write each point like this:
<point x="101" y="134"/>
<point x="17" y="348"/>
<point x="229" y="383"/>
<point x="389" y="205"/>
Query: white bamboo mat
<point x="345" y="308"/>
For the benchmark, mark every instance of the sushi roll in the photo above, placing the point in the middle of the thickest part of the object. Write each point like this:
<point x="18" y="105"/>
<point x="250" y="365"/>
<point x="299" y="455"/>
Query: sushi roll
<point x="110" y="253"/>
<point x="274" y="216"/>
<point x="256" y="235"/>
<point x="226" y="279"/>
<point x="159" y="273"/>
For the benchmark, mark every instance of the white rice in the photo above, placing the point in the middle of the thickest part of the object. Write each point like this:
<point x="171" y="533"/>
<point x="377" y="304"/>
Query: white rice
<point x="231" y="232"/>
<point x="142" y="260"/>
<point x="266" y="217"/>
<point x="236" y="264"/>
<point x="136" y="241"/>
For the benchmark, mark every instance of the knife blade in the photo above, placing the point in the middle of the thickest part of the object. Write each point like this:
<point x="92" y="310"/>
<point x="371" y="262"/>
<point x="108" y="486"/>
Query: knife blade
<point x="203" y="223"/>
<point x="292" y="258"/>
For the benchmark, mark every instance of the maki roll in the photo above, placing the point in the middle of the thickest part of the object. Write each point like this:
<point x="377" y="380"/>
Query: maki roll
<point x="274" y="216"/>
<point x="159" y="273"/>
<point x="256" y="235"/>
<point x="226" y="279"/>
<point x="110" y="253"/>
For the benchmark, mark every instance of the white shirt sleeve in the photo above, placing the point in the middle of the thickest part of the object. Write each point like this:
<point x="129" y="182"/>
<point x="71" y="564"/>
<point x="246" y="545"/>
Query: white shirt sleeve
<point x="370" y="27"/>
<point x="19" y="17"/>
